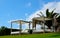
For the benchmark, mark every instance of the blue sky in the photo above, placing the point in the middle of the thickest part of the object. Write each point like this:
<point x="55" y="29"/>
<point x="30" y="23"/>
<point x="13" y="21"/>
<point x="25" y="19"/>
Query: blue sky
<point x="19" y="9"/>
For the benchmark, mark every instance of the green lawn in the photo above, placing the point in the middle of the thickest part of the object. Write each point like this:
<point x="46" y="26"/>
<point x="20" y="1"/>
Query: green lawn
<point x="42" y="35"/>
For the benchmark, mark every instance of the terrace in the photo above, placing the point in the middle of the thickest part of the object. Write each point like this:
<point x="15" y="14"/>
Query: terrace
<point x="36" y="20"/>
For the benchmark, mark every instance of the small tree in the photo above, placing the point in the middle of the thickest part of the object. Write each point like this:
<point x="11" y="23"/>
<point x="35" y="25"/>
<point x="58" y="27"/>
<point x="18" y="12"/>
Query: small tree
<point x="4" y="31"/>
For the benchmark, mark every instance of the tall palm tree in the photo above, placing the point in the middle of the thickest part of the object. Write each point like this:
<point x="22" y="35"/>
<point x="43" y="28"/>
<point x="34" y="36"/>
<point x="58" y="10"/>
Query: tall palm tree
<point x="49" y="15"/>
<point x="52" y="22"/>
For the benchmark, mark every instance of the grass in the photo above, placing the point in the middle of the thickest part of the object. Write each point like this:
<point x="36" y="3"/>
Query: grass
<point x="42" y="35"/>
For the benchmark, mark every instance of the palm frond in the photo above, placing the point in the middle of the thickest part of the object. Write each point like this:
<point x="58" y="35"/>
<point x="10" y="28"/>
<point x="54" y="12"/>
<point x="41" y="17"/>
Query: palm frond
<point x="47" y="13"/>
<point x="55" y="14"/>
<point x="53" y="11"/>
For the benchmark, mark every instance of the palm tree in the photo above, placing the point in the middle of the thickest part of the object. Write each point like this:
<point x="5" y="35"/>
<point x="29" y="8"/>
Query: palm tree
<point x="52" y="22"/>
<point x="49" y="15"/>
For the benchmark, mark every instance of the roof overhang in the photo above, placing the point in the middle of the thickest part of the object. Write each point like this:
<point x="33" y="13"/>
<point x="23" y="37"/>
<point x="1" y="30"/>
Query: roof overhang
<point x="18" y="21"/>
<point x="42" y="18"/>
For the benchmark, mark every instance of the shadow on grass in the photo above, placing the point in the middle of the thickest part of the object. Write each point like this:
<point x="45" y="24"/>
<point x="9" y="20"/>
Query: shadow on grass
<point x="56" y="35"/>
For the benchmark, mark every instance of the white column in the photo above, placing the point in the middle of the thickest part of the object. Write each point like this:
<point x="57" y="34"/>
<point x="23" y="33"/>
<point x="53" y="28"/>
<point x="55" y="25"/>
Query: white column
<point x="20" y="27"/>
<point x="11" y="26"/>
<point x="29" y="25"/>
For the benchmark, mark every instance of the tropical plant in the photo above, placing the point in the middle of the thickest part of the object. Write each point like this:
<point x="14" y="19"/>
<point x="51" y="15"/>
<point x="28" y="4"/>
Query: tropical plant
<point x="50" y="15"/>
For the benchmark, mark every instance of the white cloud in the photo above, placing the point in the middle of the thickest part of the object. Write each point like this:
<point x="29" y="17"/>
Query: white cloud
<point x="50" y="6"/>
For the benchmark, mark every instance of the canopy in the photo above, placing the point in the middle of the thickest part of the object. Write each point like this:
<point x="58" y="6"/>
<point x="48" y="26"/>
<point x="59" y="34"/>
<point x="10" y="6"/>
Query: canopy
<point x="42" y="18"/>
<point x="18" y="21"/>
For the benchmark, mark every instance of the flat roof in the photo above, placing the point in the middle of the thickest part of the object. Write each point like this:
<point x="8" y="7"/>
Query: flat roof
<point x="18" y="21"/>
<point x="42" y="18"/>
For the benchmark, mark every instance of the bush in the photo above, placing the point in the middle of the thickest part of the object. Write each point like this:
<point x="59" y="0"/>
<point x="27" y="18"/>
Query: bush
<point x="30" y="31"/>
<point x="4" y="31"/>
